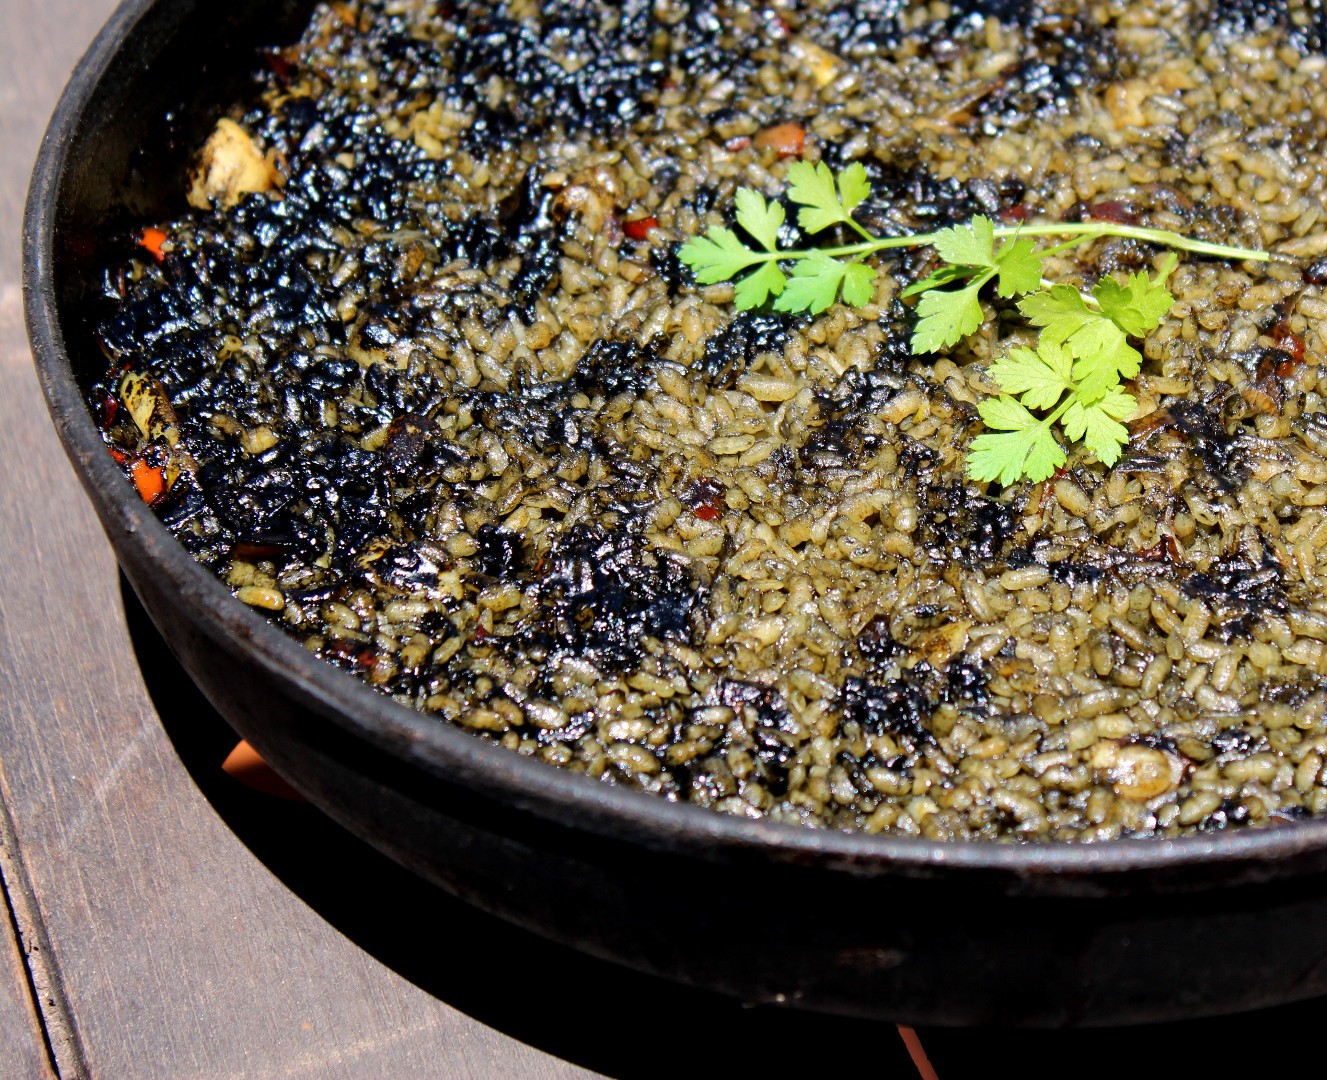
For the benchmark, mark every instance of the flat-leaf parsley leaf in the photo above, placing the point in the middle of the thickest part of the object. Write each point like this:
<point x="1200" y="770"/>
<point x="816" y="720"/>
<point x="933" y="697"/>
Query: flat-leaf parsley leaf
<point x="1019" y="445"/>
<point x="822" y="203"/>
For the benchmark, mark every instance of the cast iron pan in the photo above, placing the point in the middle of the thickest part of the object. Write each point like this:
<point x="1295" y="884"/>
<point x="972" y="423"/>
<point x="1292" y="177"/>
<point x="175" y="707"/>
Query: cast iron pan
<point x="896" y="928"/>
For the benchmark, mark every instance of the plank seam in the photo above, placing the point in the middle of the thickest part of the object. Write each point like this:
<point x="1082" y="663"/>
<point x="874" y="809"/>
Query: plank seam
<point x="33" y="997"/>
<point x="59" y="1031"/>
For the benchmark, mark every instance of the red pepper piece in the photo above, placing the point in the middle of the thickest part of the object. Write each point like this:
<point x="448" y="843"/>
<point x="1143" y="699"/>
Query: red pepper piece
<point x="707" y="499"/>
<point x="110" y="408"/>
<point x="1291" y="344"/>
<point x="639" y="229"/>
<point x="151" y="240"/>
<point x="149" y="479"/>
<point x="787" y="140"/>
<point x="1164" y="550"/>
<point x="245" y="765"/>
<point x="279" y="63"/>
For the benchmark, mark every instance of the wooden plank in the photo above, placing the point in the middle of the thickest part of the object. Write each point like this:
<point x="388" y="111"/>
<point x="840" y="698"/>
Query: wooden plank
<point x="22" y="1043"/>
<point x="45" y="994"/>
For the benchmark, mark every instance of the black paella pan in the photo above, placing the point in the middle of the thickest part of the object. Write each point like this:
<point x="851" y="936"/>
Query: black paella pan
<point x="889" y="927"/>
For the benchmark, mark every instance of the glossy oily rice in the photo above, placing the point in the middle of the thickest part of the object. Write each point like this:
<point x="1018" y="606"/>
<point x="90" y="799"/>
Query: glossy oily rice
<point x="416" y="371"/>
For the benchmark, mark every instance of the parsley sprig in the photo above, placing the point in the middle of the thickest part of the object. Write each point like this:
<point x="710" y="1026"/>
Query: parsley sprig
<point x="1072" y="378"/>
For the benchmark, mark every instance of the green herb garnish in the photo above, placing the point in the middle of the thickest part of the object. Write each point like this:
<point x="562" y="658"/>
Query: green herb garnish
<point x="1083" y="351"/>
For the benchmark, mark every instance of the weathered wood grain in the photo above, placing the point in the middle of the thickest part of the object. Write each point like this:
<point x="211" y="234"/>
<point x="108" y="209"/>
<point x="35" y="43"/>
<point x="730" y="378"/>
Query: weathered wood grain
<point x="22" y="1044"/>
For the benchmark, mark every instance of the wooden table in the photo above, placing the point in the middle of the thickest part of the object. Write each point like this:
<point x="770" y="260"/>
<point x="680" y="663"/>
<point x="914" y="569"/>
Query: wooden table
<point x="163" y="921"/>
